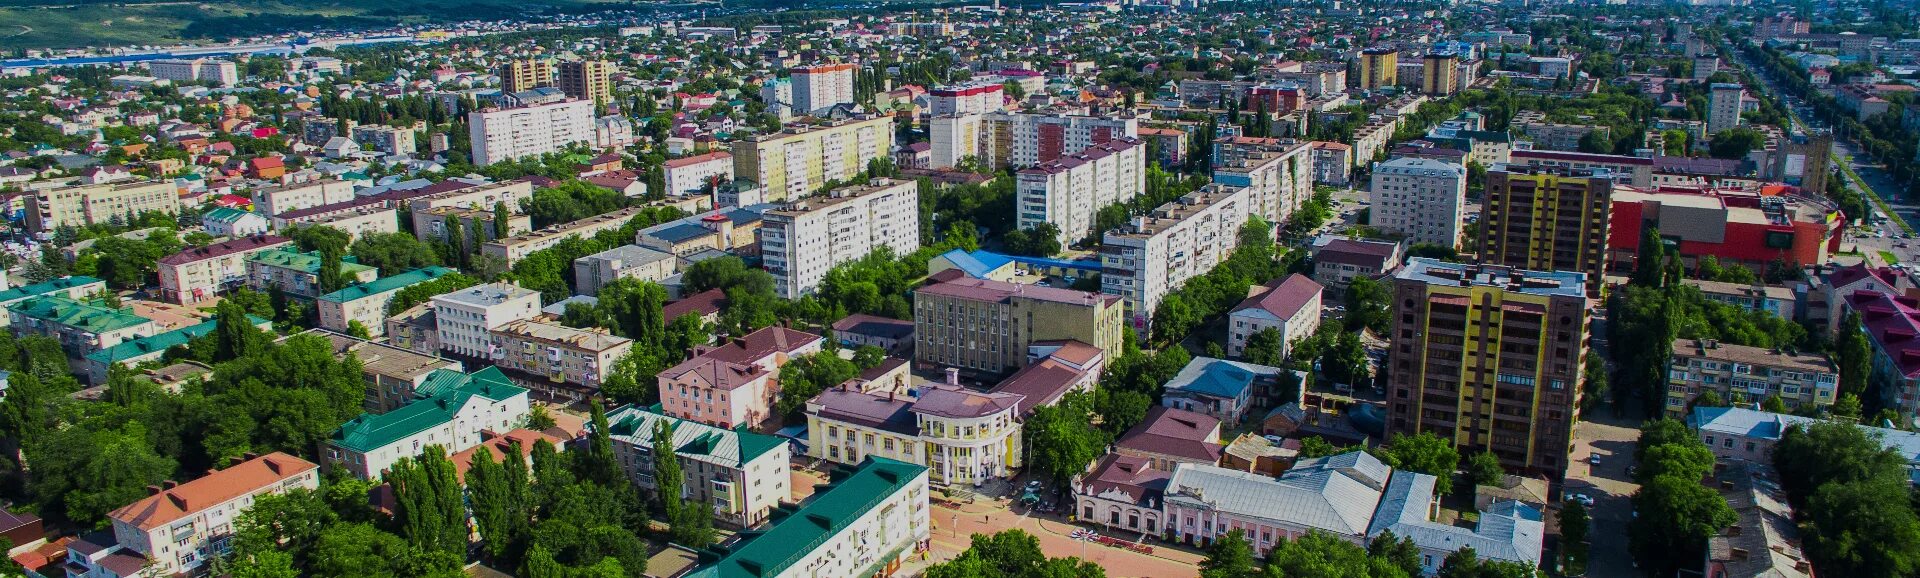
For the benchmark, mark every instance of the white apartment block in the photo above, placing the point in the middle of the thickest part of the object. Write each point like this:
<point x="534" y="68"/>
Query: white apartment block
<point x="954" y="137"/>
<point x="1158" y="252"/>
<point x="198" y="274"/>
<point x="452" y="414"/>
<point x="592" y="272"/>
<point x="178" y="530"/>
<point x="691" y="175"/>
<point x="1068" y="192"/>
<point x="807" y="237"/>
<point x="217" y="72"/>
<point x="745" y="476"/>
<point x="1279" y="177"/>
<point x="821" y="86"/>
<point x="802" y="159"/>
<point x="1420" y="198"/>
<point x="466" y="318"/>
<point x="1016" y="139"/>
<point x="974" y="98"/>
<point x="1723" y="107"/>
<point x="529" y="131"/>
<point x="386" y="139"/>
<point x="88" y="204"/>
<point x="279" y="199"/>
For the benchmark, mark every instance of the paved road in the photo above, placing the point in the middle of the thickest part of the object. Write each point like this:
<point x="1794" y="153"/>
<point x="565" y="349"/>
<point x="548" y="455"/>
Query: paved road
<point x="1614" y="441"/>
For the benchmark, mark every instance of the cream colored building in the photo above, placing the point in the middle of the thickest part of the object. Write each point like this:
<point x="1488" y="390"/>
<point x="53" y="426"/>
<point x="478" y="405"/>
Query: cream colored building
<point x="284" y="198"/>
<point x="198" y="274"/>
<point x="964" y="437"/>
<point x="465" y="319"/>
<point x="88" y="204"/>
<point x="564" y="356"/>
<point x="473" y="197"/>
<point x="802" y="159"/>
<point x="512" y="249"/>
<point x="869" y="518"/>
<point x="367" y="302"/>
<point x="1745" y="376"/>
<point x="1158" y="252"/>
<point x="745" y="476"/>
<point x="984" y="327"/>
<point x="81" y="327"/>
<point x="358" y="217"/>
<point x="183" y="527"/>
<point x="592" y="272"/>
<point x="801" y="241"/>
<point x="298" y="273"/>
<point x="476" y="225"/>
<point x="529" y="131"/>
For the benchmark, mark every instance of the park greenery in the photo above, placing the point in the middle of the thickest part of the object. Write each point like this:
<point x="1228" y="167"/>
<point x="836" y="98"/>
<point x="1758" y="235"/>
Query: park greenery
<point x="1677" y="511"/>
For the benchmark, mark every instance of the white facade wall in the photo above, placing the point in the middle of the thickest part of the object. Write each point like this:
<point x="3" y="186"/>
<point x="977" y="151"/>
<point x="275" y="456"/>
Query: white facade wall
<point x="531" y="131"/>
<point x="801" y="242"/>
<point x="466" y="317"/>
<point x="1422" y="199"/>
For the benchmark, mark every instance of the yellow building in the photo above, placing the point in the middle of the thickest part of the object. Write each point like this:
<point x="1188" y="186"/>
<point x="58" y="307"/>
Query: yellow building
<point x="801" y="159"/>
<point x="587" y="80"/>
<point x="1547" y="219"/>
<point x="88" y="204"/>
<point x="983" y="327"/>
<point x="1379" y="68"/>
<point x="522" y="75"/>
<point x="1440" y="75"/>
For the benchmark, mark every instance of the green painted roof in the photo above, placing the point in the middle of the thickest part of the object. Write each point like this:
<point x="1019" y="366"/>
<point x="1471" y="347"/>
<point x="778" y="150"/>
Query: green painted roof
<point x="373" y="431"/>
<point x="386" y="284"/>
<point x="61" y="284"/>
<point x="77" y="314"/>
<point x="779" y="547"/>
<point x="729" y="447"/>
<point x="159" y="343"/>
<point x="225" y="215"/>
<point x="290" y="258"/>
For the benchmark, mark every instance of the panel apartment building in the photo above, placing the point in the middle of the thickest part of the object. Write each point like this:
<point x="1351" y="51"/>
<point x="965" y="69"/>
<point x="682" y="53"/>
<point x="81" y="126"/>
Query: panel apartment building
<point x="275" y="200"/>
<point x="1019" y="140"/>
<point x="1746" y="376"/>
<point x="464" y="319"/>
<point x="1489" y="357"/>
<point x="82" y="205"/>
<point x="529" y="131"/>
<point x="803" y="158"/>
<point x="821" y="86"/>
<point x="1547" y="219"/>
<point x="1277" y="173"/>
<point x="983" y="327"/>
<point x="1068" y="192"/>
<point x="1160" y="251"/>
<point x="513" y="249"/>
<point x="802" y="240"/>
<point x="1423" y="199"/>
<point x="216" y="72"/>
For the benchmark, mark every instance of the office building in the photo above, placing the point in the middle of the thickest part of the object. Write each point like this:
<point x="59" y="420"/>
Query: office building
<point x="801" y="159"/>
<point x="962" y="436"/>
<point x="1547" y="219"/>
<point x="592" y="272"/>
<point x="1068" y="192"/>
<point x="1723" y="107"/>
<point x="1440" y="74"/>
<point x="529" y="131"/>
<point x="523" y="75"/>
<point x="1422" y="199"/>
<point x="573" y="362"/>
<point x="1158" y="252"/>
<point x="588" y="80"/>
<point x="1512" y="391"/>
<point x="366" y="303"/>
<point x="1747" y="376"/>
<point x="182" y="528"/>
<point x="464" y="318"/>
<point x="451" y="410"/>
<point x="82" y="205"/>
<point x="744" y="475"/>
<point x="822" y="86"/>
<point x="800" y="241"/>
<point x="985" y="327"/>
<point x="1379" y="68"/>
<point x="197" y="274"/>
<point x="208" y="70"/>
<point x="870" y="516"/>
<point x="278" y="199"/>
<point x="297" y="273"/>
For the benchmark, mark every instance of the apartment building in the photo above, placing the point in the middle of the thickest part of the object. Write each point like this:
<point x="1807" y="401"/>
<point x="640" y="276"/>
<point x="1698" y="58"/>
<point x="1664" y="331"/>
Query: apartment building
<point x="81" y="327"/>
<point x="717" y="392"/>
<point x="1747" y="376"/>
<point x="1370" y="140"/>
<point x="521" y="75"/>
<point x="1290" y="305"/>
<point x="1332" y="163"/>
<point x="1423" y="199"/>
<point x="743" y="474"/>
<point x="822" y="86"/>
<point x="386" y="139"/>
<point x="452" y="411"/>
<point x="415" y="329"/>
<point x="1723" y="107"/>
<point x="208" y="70"/>
<point x="962" y="436"/>
<point x="588" y="80"/>
<point x="366" y="303"/>
<point x="1012" y="139"/>
<point x="801" y="241"/>
<point x="1626" y="170"/>
<point x="279" y="199"/>
<point x="1554" y="136"/>
<point x="358" y="217"/>
<point x="1158" y="252"/>
<point x="984" y="327"/>
<point x="465" y="318"/>
<point x="592" y="272"/>
<point x="1891" y="321"/>
<point x="395" y="376"/>
<point x="1337" y="261"/>
<point x="1379" y="68"/>
<point x="970" y="98"/>
<point x="1277" y="173"/>
<point x="575" y="361"/>
<point x="478" y="225"/>
<point x="1547" y="219"/>
<point x="529" y="131"/>
<point x="72" y="287"/>
<point x="870" y="516"/>
<point x="1521" y="404"/>
<point x="297" y="273"/>
<point x="197" y="274"/>
<point x="693" y="175"/>
<point x="513" y="249"/>
<point x="178" y="529"/>
<point x="1068" y="192"/>
<point x="1440" y="74"/>
<point x="82" y="205"/>
<point x="803" y="158"/>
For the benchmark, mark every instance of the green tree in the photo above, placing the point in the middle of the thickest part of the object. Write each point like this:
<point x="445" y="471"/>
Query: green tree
<point x="501" y="220"/>
<point x="689" y="523"/>
<point x="428" y="506"/>
<point x="1230" y="556"/>
<point x="1853" y="355"/>
<point x="1483" y="469"/>
<point x="806" y="376"/>
<point x="1424" y="453"/>
<point x="1574" y="525"/>
<point x="1465" y="563"/>
<point x="1368" y="305"/>
<point x="1735" y="143"/>
<point x="85" y="470"/>
<point x="1264" y="348"/>
<point x="1399" y="551"/>
<point x="393" y="253"/>
<point x="1062" y="440"/>
<point x="280" y="528"/>
<point x="494" y="504"/>
<point x="234" y="334"/>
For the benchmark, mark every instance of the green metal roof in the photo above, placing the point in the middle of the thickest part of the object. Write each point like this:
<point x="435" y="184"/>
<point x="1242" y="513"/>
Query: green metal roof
<point x="159" y="343"/>
<point x="225" y="215"/>
<point x="385" y="284"/>
<point x="779" y="547"/>
<point x="730" y="447"/>
<point x="61" y="284"/>
<point x="77" y="314"/>
<point x="373" y="431"/>
<point x="289" y="258"/>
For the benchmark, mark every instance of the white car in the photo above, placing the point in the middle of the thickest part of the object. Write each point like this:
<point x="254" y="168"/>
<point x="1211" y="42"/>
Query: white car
<point x="1583" y="499"/>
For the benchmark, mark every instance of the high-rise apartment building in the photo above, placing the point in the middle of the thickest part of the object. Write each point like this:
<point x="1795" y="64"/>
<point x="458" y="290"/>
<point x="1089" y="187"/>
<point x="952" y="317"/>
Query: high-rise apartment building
<point x="217" y="72"/>
<point x="975" y="98"/>
<point x="522" y="75"/>
<point x="803" y="158"/>
<point x="1379" y="68"/>
<point x="1547" y="219"/>
<point x="588" y="80"/>
<point x="1069" y="191"/>
<point x="1020" y="140"/>
<point x="1488" y="357"/>
<point x="1440" y="75"/>
<point x="1420" y="198"/>
<point x="529" y="131"/>
<point x="802" y="240"/>
<point x="1723" y="107"/>
<point x="88" y="204"/>
<point x="1277" y="173"/>
<point x="821" y="86"/>
<point x="1158" y="252"/>
<point x="983" y="327"/>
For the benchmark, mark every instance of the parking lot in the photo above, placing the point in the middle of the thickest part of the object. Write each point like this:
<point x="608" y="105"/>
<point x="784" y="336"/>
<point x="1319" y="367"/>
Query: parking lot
<point x="1610" y="488"/>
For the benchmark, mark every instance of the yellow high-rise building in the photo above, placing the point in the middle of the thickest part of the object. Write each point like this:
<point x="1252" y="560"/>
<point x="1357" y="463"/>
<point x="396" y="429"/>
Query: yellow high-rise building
<point x="522" y="75"/>
<point x="1547" y="219"/>
<point x="1379" y="68"/>
<point x="587" y="80"/>
<point x="1440" y="75"/>
<point x="802" y="159"/>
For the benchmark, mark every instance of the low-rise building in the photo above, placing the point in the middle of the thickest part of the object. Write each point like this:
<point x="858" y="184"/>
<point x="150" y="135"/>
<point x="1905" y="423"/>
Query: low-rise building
<point x="743" y="474"/>
<point x="1123" y="493"/>
<point x="695" y="174"/>
<point x="870" y="516"/>
<point x="292" y="197"/>
<point x="477" y="225"/>
<point x="1290" y="306"/>
<point x="228" y="222"/>
<point x="592" y="272"/>
<point x="133" y="352"/>
<point x="1220" y="388"/>
<point x="415" y="329"/>
<point x="81" y="327"/>
<point x="199" y="274"/>
<point x="1337" y="260"/>
<point x="1764" y="541"/>
<point x="572" y="362"/>
<point x="451" y="410"/>
<point x="894" y="336"/>
<point x="512" y="249"/>
<point x="181" y="528"/>
<point x="717" y="392"/>
<point x="394" y="376"/>
<point x="358" y="217"/>
<point x="1169" y="436"/>
<point x="297" y="273"/>
<point x="75" y="287"/>
<point x="965" y="437"/>
<point x="366" y="303"/>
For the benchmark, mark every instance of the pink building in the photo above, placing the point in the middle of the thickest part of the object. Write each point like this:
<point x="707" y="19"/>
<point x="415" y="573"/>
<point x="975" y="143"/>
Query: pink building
<point x="768" y="348"/>
<point x="716" y="392"/>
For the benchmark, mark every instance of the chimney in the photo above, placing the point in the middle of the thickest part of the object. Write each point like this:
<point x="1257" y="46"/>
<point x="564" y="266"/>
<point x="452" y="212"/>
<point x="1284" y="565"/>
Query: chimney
<point x="1739" y="553"/>
<point x="953" y="376"/>
<point x="153" y="490"/>
<point x="1733" y="530"/>
<point x="169" y="484"/>
<point x="273" y="465"/>
<point x="249" y="456"/>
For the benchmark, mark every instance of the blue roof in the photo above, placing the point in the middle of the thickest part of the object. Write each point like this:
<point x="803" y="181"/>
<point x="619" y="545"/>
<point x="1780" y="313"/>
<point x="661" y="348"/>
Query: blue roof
<point x="977" y="264"/>
<point x="1219" y="378"/>
<point x="681" y="232"/>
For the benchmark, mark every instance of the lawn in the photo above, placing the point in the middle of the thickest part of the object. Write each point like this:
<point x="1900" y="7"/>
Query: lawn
<point x="1889" y="257"/>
